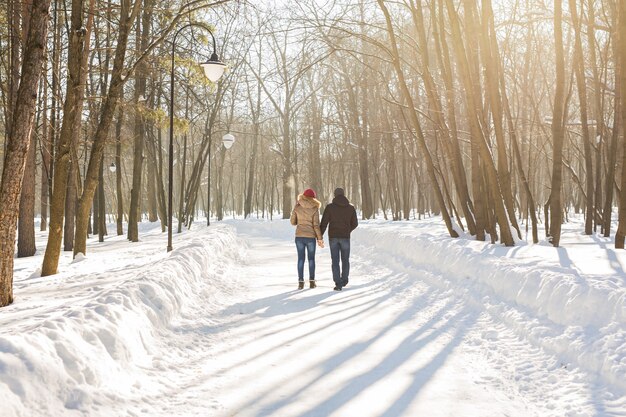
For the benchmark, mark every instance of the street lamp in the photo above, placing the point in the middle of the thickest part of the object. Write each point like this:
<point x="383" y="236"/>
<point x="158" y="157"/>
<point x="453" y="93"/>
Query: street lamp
<point x="213" y="70"/>
<point x="227" y="140"/>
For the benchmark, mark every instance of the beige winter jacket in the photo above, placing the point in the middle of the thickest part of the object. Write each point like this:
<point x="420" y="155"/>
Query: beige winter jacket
<point x="306" y="216"/>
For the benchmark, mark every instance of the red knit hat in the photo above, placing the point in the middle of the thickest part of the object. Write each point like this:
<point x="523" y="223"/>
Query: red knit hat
<point x="309" y="193"/>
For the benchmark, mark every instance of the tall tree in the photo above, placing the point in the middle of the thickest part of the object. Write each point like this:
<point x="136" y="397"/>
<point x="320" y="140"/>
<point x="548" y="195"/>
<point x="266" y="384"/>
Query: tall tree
<point x="620" y="235"/>
<point x="556" y="208"/>
<point x="63" y="172"/>
<point x="118" y="172"/>
<point x="26" y="218"/>
<point x="579" y="71"/>
<point x="19" y="142"/>
<point x="612" y="158"/>
<point x="141" y="73"/>
<point x="255" y="109"/>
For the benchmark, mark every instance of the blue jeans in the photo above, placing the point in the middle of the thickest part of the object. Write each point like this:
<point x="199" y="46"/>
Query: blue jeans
<point x="340" y="247"/>
<point x="307" y="243"/>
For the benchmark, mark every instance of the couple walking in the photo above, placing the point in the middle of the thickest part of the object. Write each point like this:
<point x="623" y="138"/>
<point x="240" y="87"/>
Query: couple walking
<point x="340" y="218"/>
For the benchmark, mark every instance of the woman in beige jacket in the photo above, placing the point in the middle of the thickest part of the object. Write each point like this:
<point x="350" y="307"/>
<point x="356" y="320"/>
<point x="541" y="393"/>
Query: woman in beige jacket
<point x="306" y="218"/>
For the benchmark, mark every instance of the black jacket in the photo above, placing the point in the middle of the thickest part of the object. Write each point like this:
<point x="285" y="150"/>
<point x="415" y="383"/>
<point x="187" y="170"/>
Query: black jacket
<point x="340" y="217"/>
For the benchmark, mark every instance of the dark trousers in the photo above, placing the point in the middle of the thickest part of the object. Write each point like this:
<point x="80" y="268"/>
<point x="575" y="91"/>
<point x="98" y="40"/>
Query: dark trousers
<point x="340" y="248"/>
<point x="308" y="244"/>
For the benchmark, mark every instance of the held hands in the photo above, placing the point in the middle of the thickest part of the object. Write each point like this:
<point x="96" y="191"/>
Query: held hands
<point x="320" y="243"/>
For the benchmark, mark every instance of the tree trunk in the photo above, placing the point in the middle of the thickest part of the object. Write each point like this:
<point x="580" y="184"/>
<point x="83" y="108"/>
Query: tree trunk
<point x="70" y="209"/>
<point x="70" y="127"/>
<point x="579" y="70"/>
<point x="621" y="226"/>
<point x="118" y="173"/>
<point x="26" y="220"/>
<point x="46" y="148"/>
<point x="208" y="188"/>
<point x="102" y="222"/>
<point x="556" y="210"/>
<point x="315" y="160"/>
<point x="288" y="179"/>
<point x="15" y="48"/>
<point x="95" y="214"/>
<point x="160" y="186"/>
<point x="55" y="110"/>
<point x="18" y="143"/>
<point x="142" y="32"/>
<point x="612" y="159"/>
<point x="134" y="215"/>
<point x="183" y="173"/>
<point x="219" y="200"/>
<point x="598" y="113"/>
<point x="253" y="156"/>
<point x="152" y="195"/>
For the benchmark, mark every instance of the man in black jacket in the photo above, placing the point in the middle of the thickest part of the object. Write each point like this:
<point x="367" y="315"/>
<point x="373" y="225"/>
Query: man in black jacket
<point x="340" y="217"/>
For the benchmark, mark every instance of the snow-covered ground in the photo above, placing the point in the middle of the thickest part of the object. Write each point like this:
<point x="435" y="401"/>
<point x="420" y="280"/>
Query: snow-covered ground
<point x="428" y="326"/>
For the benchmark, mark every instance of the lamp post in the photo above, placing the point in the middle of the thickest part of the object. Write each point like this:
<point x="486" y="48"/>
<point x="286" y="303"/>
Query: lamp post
<point x="227" y="140"/>
<point x="213" y="70"/>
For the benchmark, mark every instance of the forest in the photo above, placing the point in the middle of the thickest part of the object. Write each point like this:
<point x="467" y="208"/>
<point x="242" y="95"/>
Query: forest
<point x="503" y="117"/>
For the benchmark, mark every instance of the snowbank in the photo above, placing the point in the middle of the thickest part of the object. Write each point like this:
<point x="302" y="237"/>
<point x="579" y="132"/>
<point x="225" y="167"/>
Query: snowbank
<point x="102" y="341"/>
<point x="579" y="317"/>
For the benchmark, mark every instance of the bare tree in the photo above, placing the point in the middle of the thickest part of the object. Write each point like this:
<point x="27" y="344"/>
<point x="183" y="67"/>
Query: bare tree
<point x="19" y="142"/>
<point x="556" y="208"/>
<point x="621" y="39"/>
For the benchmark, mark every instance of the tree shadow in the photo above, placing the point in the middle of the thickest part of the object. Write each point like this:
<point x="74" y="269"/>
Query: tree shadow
<point x="393" y="361"/>
<point x="360" y="308"/>
<point x="285" y="302"/>
<point x="400" y="356"/>
<point x="564" y="260"/>
<point x="500" y="251"/>
<point x="427" y="372"/>
<point x="611" y="255"/>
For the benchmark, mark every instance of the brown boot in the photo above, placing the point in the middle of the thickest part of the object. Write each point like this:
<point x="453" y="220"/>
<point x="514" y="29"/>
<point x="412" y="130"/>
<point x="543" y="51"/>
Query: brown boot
<point x="312" y="283"/>
<point x="300" y="285"/>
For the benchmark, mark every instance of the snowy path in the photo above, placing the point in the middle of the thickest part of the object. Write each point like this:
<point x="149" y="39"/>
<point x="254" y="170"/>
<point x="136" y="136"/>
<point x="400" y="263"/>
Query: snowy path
<point x="388" y="346"/>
